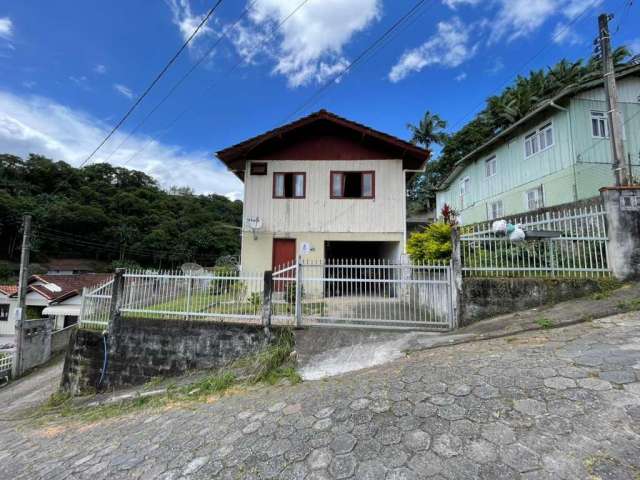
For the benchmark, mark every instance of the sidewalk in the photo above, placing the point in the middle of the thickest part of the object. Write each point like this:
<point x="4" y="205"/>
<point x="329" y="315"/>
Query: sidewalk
<point x="371" y="349"/>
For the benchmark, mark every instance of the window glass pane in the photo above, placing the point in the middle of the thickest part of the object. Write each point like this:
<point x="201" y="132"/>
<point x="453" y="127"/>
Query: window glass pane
<point x="527" y="147"/>
<point x="336" y="184"/>
<point x="595" y="127"/>
<point x="299" y="185"/>
<point x="549" y="136"/>
<point x="543" y="141"/>
<point x="603" y="128"/>
<point x="279" y="185"/>
<point x="367" y="185"/>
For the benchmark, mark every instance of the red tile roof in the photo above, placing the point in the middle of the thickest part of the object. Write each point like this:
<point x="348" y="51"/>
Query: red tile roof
<point x="70" y="285"/>
<point x="9" y="289"/>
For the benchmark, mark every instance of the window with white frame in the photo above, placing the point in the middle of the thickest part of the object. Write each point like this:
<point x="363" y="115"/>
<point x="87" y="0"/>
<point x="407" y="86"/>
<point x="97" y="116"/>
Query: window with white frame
<point x="465" y="188"/>
<point x="4" y="312"/>
<point x="538" y="140"/>
<point x="490" y="167"/>
<point x="494" y="210"/>
<point x="599" y="124"/>
<point x="534" y="198"/>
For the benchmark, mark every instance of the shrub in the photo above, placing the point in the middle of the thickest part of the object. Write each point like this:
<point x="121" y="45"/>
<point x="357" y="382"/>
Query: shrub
<point x="434" y="243"/>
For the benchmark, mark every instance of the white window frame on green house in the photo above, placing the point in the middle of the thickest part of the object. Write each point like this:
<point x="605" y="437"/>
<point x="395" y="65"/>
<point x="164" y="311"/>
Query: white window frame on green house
<point x="464" y="187"/>
<point x="539" y="200"/>
<point x="599" y="124"/>
<point x="495" y="210"/>
<point x="539" y="140"/>
<point x="491" y="167"/>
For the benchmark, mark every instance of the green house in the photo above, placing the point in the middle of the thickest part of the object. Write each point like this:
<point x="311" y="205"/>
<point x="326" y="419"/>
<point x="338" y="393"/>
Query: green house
<point x="559" y="153"/>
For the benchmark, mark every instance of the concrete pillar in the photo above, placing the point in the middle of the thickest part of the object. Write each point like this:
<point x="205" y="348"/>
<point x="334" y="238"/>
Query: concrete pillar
<point x="622" y="205"/>
<point x="456" y="278"/>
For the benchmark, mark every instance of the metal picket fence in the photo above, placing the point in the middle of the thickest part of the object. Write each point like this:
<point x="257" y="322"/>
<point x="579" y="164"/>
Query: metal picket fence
<point x="96" y="306"/>
<point x="350" y="293"/>
<point x="577" y="246"/>
<point x="375" y="293"/>
<point x="6" y="364"/>
<point x="224" y="294"/>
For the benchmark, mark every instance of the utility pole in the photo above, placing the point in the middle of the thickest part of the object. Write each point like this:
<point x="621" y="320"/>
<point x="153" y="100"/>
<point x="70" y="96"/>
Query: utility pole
<point x="611" y="93"/>
<point x="22" y="292"/>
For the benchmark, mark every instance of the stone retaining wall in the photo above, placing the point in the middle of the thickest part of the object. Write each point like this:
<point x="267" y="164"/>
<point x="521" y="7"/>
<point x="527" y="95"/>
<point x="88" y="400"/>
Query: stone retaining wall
<point x="488" y="297"/>
<point x="142" y="349"/>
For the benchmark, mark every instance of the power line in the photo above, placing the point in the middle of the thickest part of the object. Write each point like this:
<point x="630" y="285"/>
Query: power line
<point x="411" y="12"/>
<point x="211" y="85"/>
<point x="504" y="84"/>
<point x="155" y="80"/>
<point x="173" y="89"/>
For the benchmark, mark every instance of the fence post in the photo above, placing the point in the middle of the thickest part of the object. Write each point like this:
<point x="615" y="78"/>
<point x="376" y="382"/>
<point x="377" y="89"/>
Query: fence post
<point x="189" y="283"/>
<point x="298" y="293"/>
<point x="456" y="278"/>
<point x="116" y="300"/>
<point x="266" y="299"/>
<point x="622" y="205"/>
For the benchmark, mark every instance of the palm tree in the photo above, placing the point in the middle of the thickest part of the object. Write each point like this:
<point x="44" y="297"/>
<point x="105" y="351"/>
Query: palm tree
<point x="429" y="130"/>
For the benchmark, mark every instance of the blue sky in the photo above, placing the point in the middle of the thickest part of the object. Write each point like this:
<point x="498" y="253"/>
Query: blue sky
<point x="69" y="70"/>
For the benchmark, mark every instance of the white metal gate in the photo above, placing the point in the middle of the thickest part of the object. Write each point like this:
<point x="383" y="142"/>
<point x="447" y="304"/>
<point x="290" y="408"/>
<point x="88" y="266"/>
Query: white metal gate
<point x="374" y="294"/>
<point x="96" y="306"/>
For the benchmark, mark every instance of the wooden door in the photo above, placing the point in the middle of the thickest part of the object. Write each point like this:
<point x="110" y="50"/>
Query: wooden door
<point x="284" y="253"/>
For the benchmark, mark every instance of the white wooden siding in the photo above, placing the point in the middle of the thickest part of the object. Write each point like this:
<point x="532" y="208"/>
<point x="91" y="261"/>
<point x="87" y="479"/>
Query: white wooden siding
<point x="318" y="212"/>
<point x="628" y="91"/>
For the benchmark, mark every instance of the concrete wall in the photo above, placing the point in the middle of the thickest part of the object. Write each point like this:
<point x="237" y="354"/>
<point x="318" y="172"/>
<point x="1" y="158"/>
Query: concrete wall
<point x="60" y="339"/>
<point x="488" y="297"/>
<point x="623" y="224"/>
<point x="142" y="349"/>
<point x="36" y="343"/>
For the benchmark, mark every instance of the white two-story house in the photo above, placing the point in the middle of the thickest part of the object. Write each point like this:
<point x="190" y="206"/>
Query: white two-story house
<point x="322" y="187"/>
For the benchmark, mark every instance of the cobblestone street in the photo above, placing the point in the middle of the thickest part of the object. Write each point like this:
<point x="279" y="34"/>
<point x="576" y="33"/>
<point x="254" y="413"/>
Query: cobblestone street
<point x="556" y="404"/>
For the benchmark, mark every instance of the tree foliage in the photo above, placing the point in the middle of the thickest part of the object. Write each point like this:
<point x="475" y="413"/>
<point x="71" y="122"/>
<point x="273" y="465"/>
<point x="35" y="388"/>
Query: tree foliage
<point x="112" y="214"/>
<point x="433" y="243"/>
<point x="500" y="112"/>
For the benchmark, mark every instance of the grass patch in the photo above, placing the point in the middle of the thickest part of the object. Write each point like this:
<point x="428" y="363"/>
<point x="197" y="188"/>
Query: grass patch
<point x="271" y="366"/>
<point x="544" y="323"/>
<point x="629" y="305"/>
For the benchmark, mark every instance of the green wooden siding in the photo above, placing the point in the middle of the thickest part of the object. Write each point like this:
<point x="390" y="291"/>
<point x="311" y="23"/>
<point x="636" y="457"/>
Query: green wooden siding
<point x="563" y="179"/>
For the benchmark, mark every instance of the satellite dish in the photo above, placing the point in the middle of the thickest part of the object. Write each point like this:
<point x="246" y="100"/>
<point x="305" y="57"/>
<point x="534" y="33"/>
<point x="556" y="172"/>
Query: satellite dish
<point x="191" y="268"/>
<point x="255" y="224"/>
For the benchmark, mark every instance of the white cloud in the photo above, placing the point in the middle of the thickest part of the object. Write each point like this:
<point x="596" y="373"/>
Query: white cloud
<point x="449" y="47"/>
<point x="187" y="22"/>
<point x="309" y="45"/>
<point x="80" y="81"/>
<point x="519" y="18"/>
<point x="563" y="34"/>
<point x="100" y="69"/>
<point x="575" y="8"/>
<point x="460" y="77"/>
<point x="496" y="66"/>
<point x="456" y="3"/>
<point x="123" y="90"/>
<point x="33" y="124"/>
<point x="29" y="84"/>
<point x="6" y="28"/>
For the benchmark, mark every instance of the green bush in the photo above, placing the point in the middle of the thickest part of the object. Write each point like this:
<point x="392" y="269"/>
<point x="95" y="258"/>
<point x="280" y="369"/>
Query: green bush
<point x="434" y="243"/>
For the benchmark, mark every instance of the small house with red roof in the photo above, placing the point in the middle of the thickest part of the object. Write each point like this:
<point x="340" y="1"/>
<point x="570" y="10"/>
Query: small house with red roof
<point x="324" y="187"/>
<point x="58" y="296"/>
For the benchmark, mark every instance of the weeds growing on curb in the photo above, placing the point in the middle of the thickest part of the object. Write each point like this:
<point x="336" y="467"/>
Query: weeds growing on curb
<point x="544" y="323"/>
<point x="270" y="366"/>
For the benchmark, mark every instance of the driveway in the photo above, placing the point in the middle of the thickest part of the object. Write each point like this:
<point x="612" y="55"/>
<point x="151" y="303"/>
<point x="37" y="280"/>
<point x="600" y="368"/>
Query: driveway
<point x="556" y="404"/>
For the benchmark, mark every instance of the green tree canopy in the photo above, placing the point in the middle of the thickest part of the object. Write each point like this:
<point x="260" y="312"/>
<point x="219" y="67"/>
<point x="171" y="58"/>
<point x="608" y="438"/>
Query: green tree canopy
<point x="113" y="214"/>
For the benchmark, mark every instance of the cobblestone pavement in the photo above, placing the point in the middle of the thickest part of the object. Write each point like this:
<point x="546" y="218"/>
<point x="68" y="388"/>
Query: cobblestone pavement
<point x="558" y="404"/>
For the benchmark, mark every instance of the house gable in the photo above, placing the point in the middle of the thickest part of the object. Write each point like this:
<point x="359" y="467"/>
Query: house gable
<point x="322" y="136"/>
